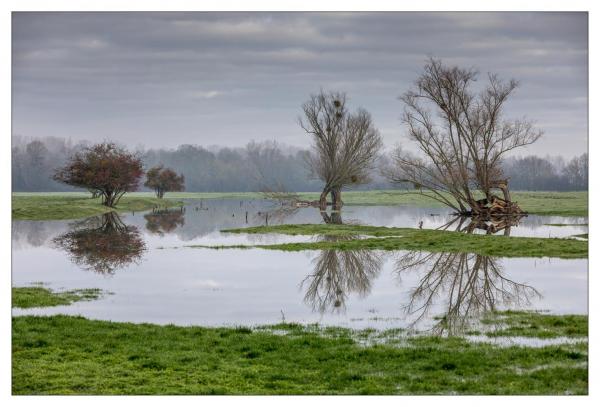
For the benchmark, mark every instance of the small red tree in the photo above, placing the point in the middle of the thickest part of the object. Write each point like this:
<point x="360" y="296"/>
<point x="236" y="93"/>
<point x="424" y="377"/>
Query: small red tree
<point x="105" y="168"/>
<point x="163" y="180"/>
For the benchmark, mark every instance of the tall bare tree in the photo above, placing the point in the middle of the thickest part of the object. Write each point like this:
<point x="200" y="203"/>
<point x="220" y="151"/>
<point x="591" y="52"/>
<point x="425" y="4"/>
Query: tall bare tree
<point x="345" y="144"/>
<point x="462" y="138"/>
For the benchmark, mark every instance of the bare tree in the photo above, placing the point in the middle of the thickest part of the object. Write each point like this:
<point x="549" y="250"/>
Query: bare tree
<point x="345" y="144"/>
<point x="264" y="163"/>
<point x="462" y="137"/>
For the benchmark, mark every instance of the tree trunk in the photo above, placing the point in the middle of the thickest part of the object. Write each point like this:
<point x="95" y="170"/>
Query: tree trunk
<point x="336" y="198"/>
<point x="118" y="197"/>
<point x="108" y="199"/>
<point x="334" y="219"/>
<point x="323" y="199"/>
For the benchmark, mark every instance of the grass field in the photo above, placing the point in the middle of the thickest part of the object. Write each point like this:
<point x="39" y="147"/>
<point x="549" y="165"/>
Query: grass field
<point x="382" y="238"/>
<point x="74" y="355"/>
<point x="58" y="205"/>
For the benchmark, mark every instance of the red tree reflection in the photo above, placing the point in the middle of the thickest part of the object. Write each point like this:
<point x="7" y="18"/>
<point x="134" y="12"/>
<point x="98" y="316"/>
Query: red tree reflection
<point x="164" y="221"/>
<point x="103" y="244"/>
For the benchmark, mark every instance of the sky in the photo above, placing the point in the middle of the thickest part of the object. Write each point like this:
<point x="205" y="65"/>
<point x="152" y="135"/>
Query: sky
<point x="165" y="79"/>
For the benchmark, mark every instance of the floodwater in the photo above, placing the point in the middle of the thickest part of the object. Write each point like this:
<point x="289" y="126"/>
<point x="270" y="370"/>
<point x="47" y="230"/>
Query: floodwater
<point x="143" y="260"/>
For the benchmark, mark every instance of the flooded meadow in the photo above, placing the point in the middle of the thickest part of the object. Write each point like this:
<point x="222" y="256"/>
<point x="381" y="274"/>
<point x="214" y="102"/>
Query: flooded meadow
<point x="144" y="262"/>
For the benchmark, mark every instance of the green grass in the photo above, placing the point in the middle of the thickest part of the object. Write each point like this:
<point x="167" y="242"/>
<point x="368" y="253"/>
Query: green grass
<point x="565" y="224"/>
<point x="74" y="355"/>
<point x="553" y="203"/>
<point x="384" y="238"/>
<point x="56" y="206"/>
<point x="37" y="296"/>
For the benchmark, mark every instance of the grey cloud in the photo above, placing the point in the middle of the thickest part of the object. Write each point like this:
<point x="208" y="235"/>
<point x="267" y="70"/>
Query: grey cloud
<point x="225" y="78"/>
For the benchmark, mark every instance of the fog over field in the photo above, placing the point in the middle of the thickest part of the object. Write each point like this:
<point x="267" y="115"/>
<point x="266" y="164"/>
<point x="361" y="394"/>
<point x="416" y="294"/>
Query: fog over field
<point x="260" y="165"/>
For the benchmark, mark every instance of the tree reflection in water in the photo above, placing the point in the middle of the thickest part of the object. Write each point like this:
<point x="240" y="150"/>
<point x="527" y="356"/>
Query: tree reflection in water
<point x="275" y="215"/>
<point x="469" y="285"/>
<point x="333" y="218"/>
<point x="490" y="224"/>
<point x="102" y="244"/>
<point x="337" y="274"/>
<point x="161" y="222"/>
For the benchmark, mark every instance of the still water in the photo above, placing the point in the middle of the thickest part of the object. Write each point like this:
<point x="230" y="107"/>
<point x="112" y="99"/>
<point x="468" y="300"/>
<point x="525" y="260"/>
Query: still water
<point x="142" y="259"/>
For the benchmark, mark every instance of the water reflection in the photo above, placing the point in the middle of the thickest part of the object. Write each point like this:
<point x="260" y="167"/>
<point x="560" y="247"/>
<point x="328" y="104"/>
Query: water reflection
<point x="467" y="284"/>
<point x="490" y="224"/>
<point x="165" y="221"/>
<point x="102" y="244"/>
<point x="276" y="215"/>
<point x="339" y="273"/>
<point x="460" y="287"/>
<point x="333" y="218"/>
<point x="243" y="287"/>
<point x="205" y="218"/>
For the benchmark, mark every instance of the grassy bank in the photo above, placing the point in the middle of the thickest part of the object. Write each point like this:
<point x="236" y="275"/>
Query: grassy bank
<point x="539" y="203"/>
<point x="73" y="355"/>
<point x="50" y="206"/>
<point x="38" y="296"/>
<point x="382" y="238"/>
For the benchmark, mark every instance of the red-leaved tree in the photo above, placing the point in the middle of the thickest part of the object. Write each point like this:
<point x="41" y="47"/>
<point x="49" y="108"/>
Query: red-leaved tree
<point x="163" y="180"/>
<point x="105" y="168"/>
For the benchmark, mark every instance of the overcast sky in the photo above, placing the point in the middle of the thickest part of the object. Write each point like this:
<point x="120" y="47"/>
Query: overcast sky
<point x="157" y="79"/>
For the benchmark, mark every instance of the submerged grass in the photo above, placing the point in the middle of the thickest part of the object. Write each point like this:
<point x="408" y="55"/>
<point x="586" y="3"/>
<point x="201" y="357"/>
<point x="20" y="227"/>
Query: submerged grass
<point x="38" y="296"/>
<point x="56" y="206"/>
<point x="582" y="236"/>
<point x="74" y="355"/>
<point x="536" y="325"/>
<point x="384" y="238"/>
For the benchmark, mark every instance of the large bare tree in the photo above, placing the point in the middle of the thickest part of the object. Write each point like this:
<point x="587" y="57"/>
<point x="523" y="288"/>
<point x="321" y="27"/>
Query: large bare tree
<point x="462" y="138"/>
<point x="345" y="144"/>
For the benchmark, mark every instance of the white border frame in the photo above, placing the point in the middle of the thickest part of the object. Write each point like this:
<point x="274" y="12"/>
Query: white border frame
<point x="293" y="5"/>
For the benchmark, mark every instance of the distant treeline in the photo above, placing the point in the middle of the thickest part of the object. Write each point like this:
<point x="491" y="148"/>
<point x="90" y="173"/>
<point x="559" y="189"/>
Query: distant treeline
<point x="259" y="166"/>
